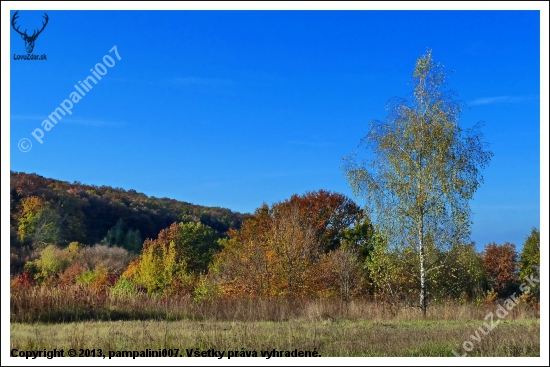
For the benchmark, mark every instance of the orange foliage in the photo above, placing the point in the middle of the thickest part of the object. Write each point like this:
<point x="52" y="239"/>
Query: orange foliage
<point x="279" y="250"/>
<point x="500" y="262"/>
<point x="104" y="281"/>
<point x="131" y="270"/>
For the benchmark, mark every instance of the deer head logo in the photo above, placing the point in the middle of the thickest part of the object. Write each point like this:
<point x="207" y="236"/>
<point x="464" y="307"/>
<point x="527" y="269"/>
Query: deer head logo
<point x="29" y="40"/>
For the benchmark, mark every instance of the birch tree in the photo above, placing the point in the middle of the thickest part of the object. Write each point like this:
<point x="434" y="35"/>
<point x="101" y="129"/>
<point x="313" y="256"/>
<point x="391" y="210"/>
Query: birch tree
<point x="420" y="171"/>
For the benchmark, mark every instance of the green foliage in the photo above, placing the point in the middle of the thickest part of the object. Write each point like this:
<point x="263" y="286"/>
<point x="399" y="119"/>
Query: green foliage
<point x="171" y="262"/>
<point x="32" y="267"/>
<point x="124" y="287"/>
<point x="206" y="289"/>
<point x="95" y="277"/>
<point x="361" y="238"/>
<point x="87" y="277"/>
<point x="529" y="261"/>
<point x="52" y="261"/>
<point x="391" y="272"/>
<point x="115" y="235"/>
<point x="199" y="243"/>
<point x="131" y="240"/>
<point x="463" y="276"/>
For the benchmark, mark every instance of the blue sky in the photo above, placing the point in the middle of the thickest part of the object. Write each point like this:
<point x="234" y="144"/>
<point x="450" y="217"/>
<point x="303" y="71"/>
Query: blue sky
<point x="237" y="108"/>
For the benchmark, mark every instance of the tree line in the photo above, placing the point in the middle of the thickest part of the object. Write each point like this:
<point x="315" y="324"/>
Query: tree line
<point x="320" y="244"/>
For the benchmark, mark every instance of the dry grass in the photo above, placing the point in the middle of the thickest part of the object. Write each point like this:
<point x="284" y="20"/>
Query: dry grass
<point x="77" y="303"/>
<point x="78" y="317"/>
<point x="330" y="338"/>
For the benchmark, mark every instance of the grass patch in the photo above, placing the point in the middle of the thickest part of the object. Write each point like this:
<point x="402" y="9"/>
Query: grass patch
<point x="330" y="338"/>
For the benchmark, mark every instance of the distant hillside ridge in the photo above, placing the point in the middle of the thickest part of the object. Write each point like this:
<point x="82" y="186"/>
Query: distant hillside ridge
<point x="86" y="213"/>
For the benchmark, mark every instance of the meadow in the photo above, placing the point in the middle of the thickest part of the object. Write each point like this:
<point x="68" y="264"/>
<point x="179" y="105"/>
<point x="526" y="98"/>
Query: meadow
<point x="78" y="318"/>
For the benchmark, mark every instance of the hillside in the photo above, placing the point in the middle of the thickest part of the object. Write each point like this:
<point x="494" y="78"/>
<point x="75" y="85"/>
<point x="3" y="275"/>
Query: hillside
<point x="75" y="211"/>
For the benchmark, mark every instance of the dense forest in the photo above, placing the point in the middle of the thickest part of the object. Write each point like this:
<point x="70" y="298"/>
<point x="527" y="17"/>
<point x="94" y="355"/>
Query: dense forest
<point x="46" y="211"/>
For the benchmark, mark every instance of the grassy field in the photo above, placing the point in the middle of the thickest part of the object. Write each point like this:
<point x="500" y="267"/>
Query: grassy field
<point x="74" y="317"/>
<point x="328" y="337"/>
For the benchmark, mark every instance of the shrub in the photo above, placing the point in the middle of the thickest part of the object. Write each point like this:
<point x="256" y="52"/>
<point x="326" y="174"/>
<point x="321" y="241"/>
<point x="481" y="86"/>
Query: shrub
<point x="124" y="287"/>
<point x="72" y="272"/>
<point x="114" y="259"/>
<point x="206" y="289"/>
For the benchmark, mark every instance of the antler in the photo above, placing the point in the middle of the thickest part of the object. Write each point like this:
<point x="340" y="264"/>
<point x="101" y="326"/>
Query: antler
<point x="13" y="20"/>
<point x="34" y="35"/>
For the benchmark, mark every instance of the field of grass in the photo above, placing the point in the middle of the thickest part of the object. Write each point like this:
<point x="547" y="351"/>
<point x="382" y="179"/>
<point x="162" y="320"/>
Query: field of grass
<point x="328" y="337"/>
<point x="79" y="318"/>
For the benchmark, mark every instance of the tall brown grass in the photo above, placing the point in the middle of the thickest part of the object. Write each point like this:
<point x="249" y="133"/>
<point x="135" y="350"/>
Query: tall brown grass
<point x="80" y="303"/>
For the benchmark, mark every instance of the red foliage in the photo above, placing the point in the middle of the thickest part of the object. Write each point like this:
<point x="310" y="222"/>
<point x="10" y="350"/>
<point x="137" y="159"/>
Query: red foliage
<point x="26" y="279"/>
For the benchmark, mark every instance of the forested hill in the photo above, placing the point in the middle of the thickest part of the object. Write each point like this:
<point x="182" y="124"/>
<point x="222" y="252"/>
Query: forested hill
<point x="66" y="212"/>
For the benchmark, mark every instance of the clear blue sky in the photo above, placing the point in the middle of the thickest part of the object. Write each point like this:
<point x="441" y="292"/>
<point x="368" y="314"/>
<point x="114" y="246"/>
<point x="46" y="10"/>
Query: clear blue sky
<point x="237" y="108"/>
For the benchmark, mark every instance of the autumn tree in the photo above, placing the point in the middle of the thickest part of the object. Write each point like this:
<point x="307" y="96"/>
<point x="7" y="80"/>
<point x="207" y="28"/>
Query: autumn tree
<point x="297" y="248"/>
<point x="330" y="214"/>
<point x="500" y="262"/>
<point x="421" y="172"/>
<point x="246" y="263"/>
<point x="529" y="262"/>
<point x="39" y="224"/>
<point x="179" y="254"/>
<point x="27" y="216"/>
<point x="53" y="261"/>
<point x="274" y="254"/>
<point x="279" y="249"/>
